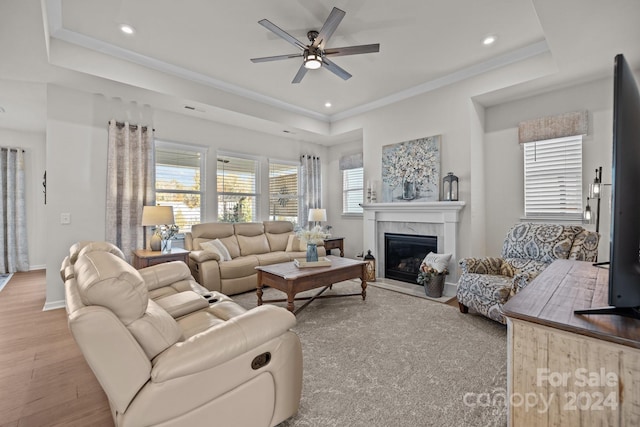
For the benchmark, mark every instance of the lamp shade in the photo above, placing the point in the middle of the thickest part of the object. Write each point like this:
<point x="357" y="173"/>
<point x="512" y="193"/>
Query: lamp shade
<point x="317" y="215"/>
<point x="157" y="215"/>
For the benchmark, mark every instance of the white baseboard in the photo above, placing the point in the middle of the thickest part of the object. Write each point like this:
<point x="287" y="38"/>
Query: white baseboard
<point x="37" y="267"/>
<point x="450" y="289"/>
<point x="53" y="305"/>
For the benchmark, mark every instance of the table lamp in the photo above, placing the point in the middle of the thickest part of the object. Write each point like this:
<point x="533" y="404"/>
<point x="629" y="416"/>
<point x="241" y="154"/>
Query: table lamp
<point x="156" y="216"/>
<point x="317" y="215"/>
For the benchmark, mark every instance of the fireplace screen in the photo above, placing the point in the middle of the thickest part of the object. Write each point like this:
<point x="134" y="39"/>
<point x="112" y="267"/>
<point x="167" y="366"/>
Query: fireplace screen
<point x="403" y="254"/>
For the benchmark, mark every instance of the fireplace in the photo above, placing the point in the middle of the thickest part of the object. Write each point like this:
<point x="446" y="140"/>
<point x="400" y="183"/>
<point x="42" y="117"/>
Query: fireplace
<point x="403" y="254"/>
<point x="440" y="219"/>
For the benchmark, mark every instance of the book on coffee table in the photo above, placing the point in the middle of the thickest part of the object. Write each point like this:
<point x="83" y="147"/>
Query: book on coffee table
<point x="303" y="263"/>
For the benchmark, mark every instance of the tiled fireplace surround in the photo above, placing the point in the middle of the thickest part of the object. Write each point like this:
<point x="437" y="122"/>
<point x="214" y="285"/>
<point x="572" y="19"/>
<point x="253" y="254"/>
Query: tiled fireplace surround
<point x="440" y="219"/>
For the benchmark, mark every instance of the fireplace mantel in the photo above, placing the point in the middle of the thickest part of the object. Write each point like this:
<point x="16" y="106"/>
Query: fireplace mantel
<point x="423" y="207"/>
<point x="445" y="216"/>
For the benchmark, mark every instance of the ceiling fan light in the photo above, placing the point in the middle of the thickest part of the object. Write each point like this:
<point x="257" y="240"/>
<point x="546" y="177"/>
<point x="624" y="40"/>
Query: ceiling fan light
<point x="312" y="61"/>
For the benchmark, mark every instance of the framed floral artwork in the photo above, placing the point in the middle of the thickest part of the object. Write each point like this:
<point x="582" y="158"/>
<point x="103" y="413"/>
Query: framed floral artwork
<point x="411" y="171"/>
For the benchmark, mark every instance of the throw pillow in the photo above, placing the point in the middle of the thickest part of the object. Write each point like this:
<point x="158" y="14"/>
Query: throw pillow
<point x="222" y="248"/>
<point x="210" y="247"/>
<point x="439" y="262"/>
<point x="296" y="244"/>
<point x="217" y="247"/>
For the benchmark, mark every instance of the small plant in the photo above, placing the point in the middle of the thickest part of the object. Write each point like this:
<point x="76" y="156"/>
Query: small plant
<point x="427" y="273"/>
<point x="167" y="232"/>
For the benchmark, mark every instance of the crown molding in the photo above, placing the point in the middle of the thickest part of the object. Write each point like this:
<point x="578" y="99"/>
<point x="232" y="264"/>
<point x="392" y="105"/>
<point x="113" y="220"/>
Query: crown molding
<point x="56" y="30"/>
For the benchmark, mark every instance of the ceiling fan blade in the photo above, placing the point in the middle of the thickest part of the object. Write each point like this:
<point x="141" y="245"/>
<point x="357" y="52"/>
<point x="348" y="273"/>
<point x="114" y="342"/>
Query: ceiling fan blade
<point x="330" y="25"/>
<point x="276" y="58"/>
<point x="353" y="50"/>
<point x="331" y="66"/>
<point x="300" y="74"/>
<point x="281" y="33"/>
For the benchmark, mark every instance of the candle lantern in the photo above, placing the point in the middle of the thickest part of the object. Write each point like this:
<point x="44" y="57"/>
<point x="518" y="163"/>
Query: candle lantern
<point x="370" y="273"/>
<point x="450" y="187"/>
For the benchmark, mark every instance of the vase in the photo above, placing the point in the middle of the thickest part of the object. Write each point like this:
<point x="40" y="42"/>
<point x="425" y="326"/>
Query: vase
<point x="408" y="190"/>
<point x="155" y="244"/>
<point x="434" y="286"/>
<point x="312" y="252"/>
<point x="166" y="245"/>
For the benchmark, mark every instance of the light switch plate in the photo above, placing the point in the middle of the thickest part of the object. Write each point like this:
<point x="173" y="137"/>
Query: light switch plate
<point x="65" y="218"/>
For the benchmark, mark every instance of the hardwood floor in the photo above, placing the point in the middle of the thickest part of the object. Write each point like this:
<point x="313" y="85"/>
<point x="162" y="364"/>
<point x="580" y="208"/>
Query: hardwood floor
<point x="44" y="378"/>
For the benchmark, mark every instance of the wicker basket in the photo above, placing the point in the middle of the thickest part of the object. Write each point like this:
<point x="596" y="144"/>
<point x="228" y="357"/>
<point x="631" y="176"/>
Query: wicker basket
<point x="434" y="287"/>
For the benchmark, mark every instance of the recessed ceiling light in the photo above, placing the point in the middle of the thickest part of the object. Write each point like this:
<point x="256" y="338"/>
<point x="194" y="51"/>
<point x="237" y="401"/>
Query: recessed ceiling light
<point x="327" y="104"/>
<point x="127" y="29"/>
<point x="489" y="40"/>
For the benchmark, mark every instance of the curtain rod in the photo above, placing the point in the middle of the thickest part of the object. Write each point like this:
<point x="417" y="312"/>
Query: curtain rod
<point x="121" y="125"/>
<point x="9" y="149"/>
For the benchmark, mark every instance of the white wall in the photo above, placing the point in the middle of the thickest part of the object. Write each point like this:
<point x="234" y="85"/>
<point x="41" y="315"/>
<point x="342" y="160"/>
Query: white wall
<point x="76" y="140"/>
<point x="504" y="181"/>
<point x="76" y="179"/>
<point x="349" y="227"/>
<point x="33" y="144"/>
<point x="451" y="112"/>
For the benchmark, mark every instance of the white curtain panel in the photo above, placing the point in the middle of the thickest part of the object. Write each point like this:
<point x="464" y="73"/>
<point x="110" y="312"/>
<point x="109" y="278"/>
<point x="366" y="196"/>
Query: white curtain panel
<point x="130" y="184"/>
<point x="310" y="187"/>
<point x="13" y="233"/>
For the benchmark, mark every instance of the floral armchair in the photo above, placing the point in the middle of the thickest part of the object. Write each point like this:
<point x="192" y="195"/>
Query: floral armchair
<point x="486" y="284"/>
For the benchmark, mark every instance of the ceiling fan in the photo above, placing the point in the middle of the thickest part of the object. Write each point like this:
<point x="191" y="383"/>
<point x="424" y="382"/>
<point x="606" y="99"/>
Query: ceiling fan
<point x="315" y="54"/>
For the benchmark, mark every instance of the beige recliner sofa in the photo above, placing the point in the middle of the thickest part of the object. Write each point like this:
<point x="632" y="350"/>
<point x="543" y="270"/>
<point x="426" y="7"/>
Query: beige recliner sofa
<point x="250" y="244"/>
<point x="202" y="361"/>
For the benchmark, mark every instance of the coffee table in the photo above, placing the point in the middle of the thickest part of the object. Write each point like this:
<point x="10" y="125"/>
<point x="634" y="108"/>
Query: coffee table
<point x="291" y="280"/>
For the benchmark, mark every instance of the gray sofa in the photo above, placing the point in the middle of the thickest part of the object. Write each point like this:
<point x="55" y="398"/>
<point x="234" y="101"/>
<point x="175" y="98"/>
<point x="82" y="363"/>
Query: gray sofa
<point x="250" y="244"/>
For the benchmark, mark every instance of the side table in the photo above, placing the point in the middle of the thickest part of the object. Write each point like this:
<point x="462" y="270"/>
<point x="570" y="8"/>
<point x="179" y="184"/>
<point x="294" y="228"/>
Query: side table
<point x="144" y="258"/>
<point x="334" y="243"/>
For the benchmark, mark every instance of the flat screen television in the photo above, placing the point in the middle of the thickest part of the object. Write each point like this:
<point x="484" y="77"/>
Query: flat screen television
<point x="624" y="251"/>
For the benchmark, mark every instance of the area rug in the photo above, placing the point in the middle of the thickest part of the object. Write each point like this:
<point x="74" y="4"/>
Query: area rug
<point x="4" y="279"/>
<point x="396" y="360"/>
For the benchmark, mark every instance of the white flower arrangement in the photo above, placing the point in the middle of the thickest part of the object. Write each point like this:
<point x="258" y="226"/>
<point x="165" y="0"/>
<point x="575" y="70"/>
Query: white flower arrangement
<point x="167" y="232"/>
<point x="313" y="235"/>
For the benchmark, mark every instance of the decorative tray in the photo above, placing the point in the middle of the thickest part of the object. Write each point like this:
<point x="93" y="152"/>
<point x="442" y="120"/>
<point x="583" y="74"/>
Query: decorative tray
<point x="303" y="263"/>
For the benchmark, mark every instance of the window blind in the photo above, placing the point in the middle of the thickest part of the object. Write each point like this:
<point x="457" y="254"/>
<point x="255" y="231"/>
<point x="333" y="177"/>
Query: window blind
<point x="178" y="182"/>
<point x="553" y="178"/>
<point x="352" y="190"/>
<point x="236" y="184"/>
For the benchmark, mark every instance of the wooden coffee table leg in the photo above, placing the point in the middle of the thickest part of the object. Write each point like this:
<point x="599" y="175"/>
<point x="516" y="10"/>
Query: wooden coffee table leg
<point x="290" y="298"/>
<point x="364" y="282"/>
<point x="259" y="288"/>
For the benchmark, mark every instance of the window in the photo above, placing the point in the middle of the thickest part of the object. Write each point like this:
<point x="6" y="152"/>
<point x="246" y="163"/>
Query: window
<point x="553" y="178"/>
<point x="352" y="190"/>
<point x="237" y="189"/>
<point x="283" y="191"/>
<point x="179" y="181"/>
